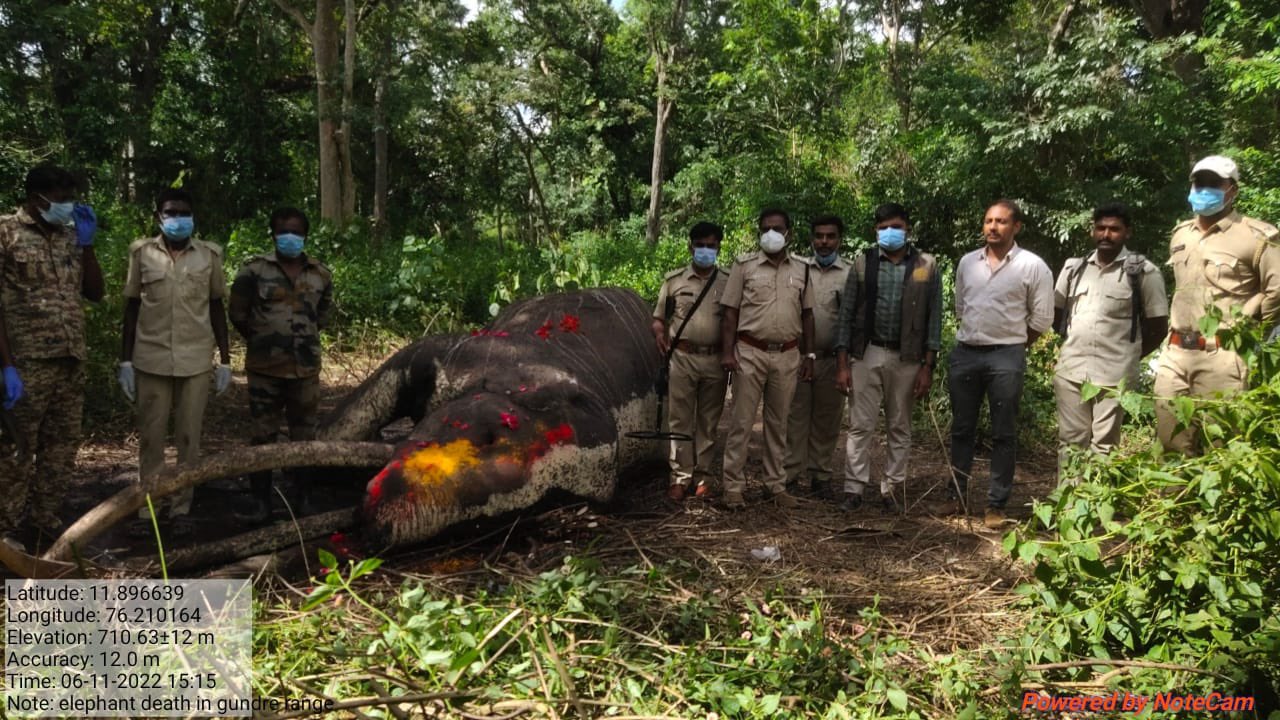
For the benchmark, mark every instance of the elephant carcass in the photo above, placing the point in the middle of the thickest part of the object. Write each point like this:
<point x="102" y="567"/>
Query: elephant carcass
<point x="540" y="400"/>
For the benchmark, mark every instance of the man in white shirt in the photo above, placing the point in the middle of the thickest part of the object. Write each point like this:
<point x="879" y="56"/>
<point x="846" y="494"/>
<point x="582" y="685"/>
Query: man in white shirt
<point x="1004" y="302"/>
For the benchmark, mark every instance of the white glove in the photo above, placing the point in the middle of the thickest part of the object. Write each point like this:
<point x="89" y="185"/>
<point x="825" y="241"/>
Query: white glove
<point x="127" y="383"/>
<point x="221" y="378"/>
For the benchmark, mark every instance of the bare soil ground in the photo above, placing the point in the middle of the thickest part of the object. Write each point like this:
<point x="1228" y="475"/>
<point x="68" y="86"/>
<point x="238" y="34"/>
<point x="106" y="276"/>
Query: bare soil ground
<point x="942" y="580"/>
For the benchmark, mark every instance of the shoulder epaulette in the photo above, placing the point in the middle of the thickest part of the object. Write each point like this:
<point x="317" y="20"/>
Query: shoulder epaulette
<point x="747" y="257"/>
<point x="674" y="273"/>
<point x="1183" y="224"/>
<point x="214" y="247"/>
<point x="1263" y="229"/>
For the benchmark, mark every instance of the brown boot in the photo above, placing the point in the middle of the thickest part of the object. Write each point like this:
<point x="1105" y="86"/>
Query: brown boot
<point x="785" y="500"/>
<point x="676" y="492"/>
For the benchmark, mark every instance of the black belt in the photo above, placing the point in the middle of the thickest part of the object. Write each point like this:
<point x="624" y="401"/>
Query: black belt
<point x="887" y="345"/>
<point x="987" y="348"/>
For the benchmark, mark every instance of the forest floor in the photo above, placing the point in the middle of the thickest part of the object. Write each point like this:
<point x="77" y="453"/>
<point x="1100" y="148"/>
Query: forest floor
<point x="943" y="581"/>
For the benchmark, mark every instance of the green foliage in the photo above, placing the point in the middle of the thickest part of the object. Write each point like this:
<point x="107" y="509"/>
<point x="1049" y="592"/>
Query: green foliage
<point x="616" y="636"/>
<point x="1173" y="560"/>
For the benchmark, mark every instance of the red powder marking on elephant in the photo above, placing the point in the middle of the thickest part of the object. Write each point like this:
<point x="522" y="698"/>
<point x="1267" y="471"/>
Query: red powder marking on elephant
<point x="569" y="324"/>
<point x="374" y="489"/>
<point x="474" y="333"/>
<point x="510" y="421"/>
<point x="559" y="435"/>
<point x="464" y="426"/>
<point x="502" y="333"/>
<point x="544" y="332"/>
<point x="475" y="397"/>
<point x="523" y="388"/>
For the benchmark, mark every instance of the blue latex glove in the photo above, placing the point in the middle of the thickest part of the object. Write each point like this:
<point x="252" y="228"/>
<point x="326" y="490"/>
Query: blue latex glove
<point x="128" y="383"/>
<point x="221" y="378"/>
<point x="86" y="224"/>
<point x="12" y="387"/>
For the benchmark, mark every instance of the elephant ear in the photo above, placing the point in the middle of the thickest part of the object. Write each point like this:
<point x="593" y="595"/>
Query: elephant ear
<point x="402" y="386"/>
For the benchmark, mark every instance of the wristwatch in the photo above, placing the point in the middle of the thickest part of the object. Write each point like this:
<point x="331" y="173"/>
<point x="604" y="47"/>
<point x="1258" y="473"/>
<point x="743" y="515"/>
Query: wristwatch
<point x="811" y="356"/>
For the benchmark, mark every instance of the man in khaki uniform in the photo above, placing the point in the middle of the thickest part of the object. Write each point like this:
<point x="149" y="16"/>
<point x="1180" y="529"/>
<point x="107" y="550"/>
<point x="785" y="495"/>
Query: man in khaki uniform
<point x="1106" y="332"/>
<point x="816" y="410"/>
<point x="47" y="264"/>
<point x="696" y="386"/>
<point x="173" y="317"/>
<point x="1223" y="258"/>
<point x="890" y="333"/>
<point x="280" y="301"/>
<point x="767" y="337"/>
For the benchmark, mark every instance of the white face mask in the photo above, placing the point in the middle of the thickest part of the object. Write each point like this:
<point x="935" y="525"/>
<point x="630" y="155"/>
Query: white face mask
<point x="772" y="241"/>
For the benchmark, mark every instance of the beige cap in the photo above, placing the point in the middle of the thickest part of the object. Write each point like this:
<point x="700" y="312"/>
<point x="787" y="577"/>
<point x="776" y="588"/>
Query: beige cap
<point x="1223" y="167"/>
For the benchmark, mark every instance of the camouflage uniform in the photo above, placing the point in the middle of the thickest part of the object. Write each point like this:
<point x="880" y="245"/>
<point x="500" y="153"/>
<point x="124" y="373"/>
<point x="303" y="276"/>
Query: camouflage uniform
<point x="281" y="320"/>
<point x="40" y="282"/>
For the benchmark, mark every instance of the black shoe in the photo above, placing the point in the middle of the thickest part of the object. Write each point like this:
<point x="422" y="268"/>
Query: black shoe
<point x="258" y="512"/>
<point x="852" y="503"/>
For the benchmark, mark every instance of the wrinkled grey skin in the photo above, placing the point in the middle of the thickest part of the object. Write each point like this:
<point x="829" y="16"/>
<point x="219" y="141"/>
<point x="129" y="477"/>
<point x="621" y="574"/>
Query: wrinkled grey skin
<point x="540" y="404"/>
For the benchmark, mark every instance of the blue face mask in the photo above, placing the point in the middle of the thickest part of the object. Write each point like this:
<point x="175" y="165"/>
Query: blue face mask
<point x="704" y="257"/>
<point x="177" y="228"/>
<point x="59" y="213"/>
<point x="827" y="260"/>
<point x="289" y="245"/>
<point x="891" y="238"/>
<point x="1207" y="200"/>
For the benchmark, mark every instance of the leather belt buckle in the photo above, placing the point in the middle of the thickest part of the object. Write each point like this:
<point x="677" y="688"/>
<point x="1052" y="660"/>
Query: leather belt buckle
<point x="1188" y="340"/>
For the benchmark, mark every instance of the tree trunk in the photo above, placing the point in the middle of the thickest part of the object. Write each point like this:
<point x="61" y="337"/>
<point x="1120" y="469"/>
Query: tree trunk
<point x="349" y="20"/>
<point x="241" y="461"/>
<point x="662" y="111"/>
<point x="666" y="44"/>
<point x="380" y="143"/>
<point x="324" y="48"/>
<point x="323" y="34"/>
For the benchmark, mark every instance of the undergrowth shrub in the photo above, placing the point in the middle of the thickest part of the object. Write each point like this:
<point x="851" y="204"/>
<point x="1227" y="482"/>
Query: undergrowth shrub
<point x="654" y="640"/>
<point x="1173" y="560"/>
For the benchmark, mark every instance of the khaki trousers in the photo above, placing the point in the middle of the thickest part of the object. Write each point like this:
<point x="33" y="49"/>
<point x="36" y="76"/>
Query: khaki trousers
<point x="695" y="401"/>
<point x="771" y="376"/>
<point x="814" y="424"/>
<point x="1198" y="373"/>
<point x="158" y="397"/>
<point x="1093" y="424"/>
<point x="880" y="379"/>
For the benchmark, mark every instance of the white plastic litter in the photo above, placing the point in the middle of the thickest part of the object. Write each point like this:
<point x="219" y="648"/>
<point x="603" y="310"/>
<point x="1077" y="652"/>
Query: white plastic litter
<point x="768" y="553"/>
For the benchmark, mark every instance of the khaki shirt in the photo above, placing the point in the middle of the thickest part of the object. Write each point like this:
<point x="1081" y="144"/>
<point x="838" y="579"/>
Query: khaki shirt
<point x="996" y="307"/>
<point x="281" y="317"/>
<point x="174" y="335"/>
<point x="769" y="299"/>
<point x="1098" y="348"/>
<point x="685" y="285"/>
<point x="828" y="284"/>
<point x="40" y="280"/>
<point x="1237" y="262"/>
